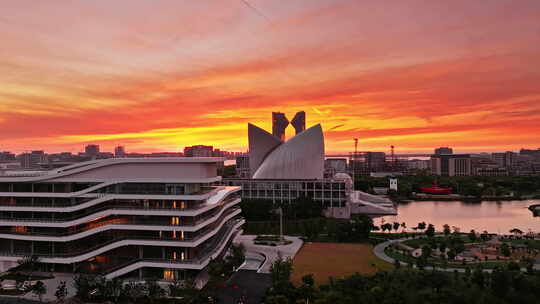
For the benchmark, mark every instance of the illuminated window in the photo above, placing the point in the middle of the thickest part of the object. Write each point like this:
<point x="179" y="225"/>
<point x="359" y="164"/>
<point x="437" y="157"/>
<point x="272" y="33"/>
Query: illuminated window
<point x="20" y="229"/>
<point x="174" y="255"/>
<point x="183" y="205"/>
<point x="181" y="235"/>
<point x="175" y="221"/>
<point x="168" y="275"/>
<point x="182" y="256"/>
<point x="174" y="234"/>
<point x="174" y="205"/>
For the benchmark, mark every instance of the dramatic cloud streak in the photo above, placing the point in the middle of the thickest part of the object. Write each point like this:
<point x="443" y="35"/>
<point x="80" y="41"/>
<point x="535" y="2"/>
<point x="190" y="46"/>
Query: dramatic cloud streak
<point x="159" y="75"/>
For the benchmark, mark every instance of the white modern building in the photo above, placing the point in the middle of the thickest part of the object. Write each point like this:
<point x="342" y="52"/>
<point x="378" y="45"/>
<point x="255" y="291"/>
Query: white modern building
<point x="285" y="171"/>
<point x="140" y="218"/>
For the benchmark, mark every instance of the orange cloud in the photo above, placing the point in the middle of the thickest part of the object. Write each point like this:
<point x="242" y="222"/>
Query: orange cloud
<point x="152" y="78"/>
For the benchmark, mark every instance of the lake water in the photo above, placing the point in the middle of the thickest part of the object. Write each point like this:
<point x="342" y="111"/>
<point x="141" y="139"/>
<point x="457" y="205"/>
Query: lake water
<point x="495" y="217"/>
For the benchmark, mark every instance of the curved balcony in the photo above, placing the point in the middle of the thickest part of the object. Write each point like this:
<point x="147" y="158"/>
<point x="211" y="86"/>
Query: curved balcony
<point x="213" y="251"/>
<point x="83" y="255"/>
<point x="117" y="224"/>
<point x="119" y="208"/>
<point x="210" y="199"/>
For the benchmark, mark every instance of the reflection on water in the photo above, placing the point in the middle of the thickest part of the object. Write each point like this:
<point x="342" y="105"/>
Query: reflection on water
<point x="495" y="217"/>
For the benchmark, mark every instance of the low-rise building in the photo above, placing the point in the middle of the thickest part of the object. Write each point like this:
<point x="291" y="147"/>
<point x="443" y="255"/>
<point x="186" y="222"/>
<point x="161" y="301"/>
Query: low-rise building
<point x="451" y="165"/>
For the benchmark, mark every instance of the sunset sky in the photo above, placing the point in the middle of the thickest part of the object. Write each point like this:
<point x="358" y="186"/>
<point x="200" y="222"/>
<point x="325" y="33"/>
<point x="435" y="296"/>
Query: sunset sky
<point x="160" y="75"/>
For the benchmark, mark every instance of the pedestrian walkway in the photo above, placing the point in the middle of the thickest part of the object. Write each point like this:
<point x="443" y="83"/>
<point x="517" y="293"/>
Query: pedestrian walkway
<point x="271" y="253"/>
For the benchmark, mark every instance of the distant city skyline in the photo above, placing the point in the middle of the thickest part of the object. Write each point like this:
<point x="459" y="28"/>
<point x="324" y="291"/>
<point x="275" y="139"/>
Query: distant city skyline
<point x="414" y="74"/>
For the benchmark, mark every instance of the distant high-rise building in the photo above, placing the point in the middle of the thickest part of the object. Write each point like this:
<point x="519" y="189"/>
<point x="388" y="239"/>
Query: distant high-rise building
<point x="120" y="151"/>
<point x="299" y="122"/>
<point x="199" y="151"/>
<point x="279" y="124"/>
<point x="505" y="160"/>
<point x="7" y="156"/>
<point x="33" y="159"/>
<point x="451" y="165"/>
<point x="375" y="161"/>
<point x="443" y="151"/>
<point x="91" y="150"/>
<point x="242" y="166"/>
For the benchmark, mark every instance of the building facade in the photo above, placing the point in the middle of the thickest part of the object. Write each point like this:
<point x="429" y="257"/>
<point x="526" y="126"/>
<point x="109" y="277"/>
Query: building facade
<point x="327" y="192"/>
<point x="279" y="124"/>
<point x="443" y="151"/>
<point x="299" y="122"/>
<point x="33" y="159"/>
<point x="242" y="166"/>
<point x="159" y="218"/>
<point x="451" y="165"/>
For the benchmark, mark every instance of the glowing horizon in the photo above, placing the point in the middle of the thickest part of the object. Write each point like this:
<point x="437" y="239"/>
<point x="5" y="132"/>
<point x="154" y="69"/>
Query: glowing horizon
<point x="158" y="76"/>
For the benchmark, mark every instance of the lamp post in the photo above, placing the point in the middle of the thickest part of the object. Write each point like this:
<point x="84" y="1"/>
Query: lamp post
<point x="281" y="224"/>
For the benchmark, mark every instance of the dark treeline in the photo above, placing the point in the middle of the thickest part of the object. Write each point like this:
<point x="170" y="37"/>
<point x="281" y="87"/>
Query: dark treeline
<point x="406" y="285"/>
<point x="266" y="210"/>
<point x="476" y="186"/>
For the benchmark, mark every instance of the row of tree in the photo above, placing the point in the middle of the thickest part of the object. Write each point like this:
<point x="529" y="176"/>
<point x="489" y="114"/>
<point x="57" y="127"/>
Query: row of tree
<point x="405" y="285"/>
<point x="476" y="186"/>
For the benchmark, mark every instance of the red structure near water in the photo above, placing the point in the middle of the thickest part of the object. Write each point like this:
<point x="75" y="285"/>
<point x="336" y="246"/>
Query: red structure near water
<point x="435" y="189"/>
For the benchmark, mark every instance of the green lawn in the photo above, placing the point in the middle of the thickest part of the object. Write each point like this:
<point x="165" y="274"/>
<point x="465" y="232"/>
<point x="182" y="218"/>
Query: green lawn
<point x="337" y="260"/>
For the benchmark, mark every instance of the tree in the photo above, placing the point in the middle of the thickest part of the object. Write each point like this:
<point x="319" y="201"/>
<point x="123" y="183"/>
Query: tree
<point x="500" y="282"/>
<point x="505" y="250"/>
<point x="396" y="226"/>
<point x="426" y="251"/>
<point x="442" y="247"/>
<point x="451" y="254"/>
<point x="280" y="272"/>
<point x="84" y="284"/>
<point x="430" y="231"/>
<point x="28" y="263"/>
<point x="238" y="255"/>
<point x="513" y="266"/>
<point x="403" y="227"/>
<point x="39" y="290"/>
<point x="446" y="229"/>
<point x="484" y="236"/>
<point x="114" y="288"/>
<point x="61" y="292"/>
<point x="154" y="290"/>
<point x="472" y="235"/>
<point x="386" y="226"/>
<point x="307" y="289"/>
<point x="478" y="277"/>
<point x="421" y="226"/>
<point x="516" y="232"/>
<point x="134" y="291"/>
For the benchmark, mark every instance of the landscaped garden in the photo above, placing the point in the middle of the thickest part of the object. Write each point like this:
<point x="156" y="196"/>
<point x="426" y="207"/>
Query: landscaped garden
<point x="336" y="260"/>
<point x="459" y="250"/>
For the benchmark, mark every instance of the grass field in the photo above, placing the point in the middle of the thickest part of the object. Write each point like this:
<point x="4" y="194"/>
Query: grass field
<point x="337" y="260"/>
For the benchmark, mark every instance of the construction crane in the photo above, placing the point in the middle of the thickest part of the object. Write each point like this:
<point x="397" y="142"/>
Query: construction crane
<point x="354" y="158"/>
<point x="393" y="158"/>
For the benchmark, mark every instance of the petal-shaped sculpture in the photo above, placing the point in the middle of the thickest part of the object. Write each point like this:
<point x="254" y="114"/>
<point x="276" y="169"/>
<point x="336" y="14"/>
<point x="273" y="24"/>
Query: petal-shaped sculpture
<point x="301" y="157"/>
<point x="261" y="143"/>
<point x="299" y="122"/>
